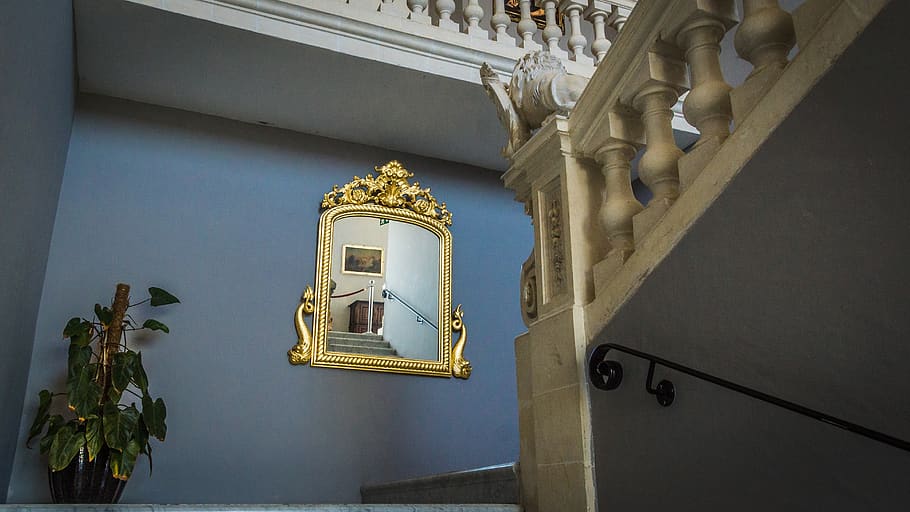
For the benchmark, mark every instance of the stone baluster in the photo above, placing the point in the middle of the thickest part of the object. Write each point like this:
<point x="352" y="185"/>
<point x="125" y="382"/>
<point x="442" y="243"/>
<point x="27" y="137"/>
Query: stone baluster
<point x="419" y="11"/>
<point x="500" y="22"/>
<point x="577" y="40"/>
<point x="618" y="17"/>
<point x="764" y="38"/>
<point x="552" y="33"/>
<point x="707" y="107"/>
<point x="527" y="27"/>
<point x="658" y="167"/>
<point x="597" y="13"/>
<point x="619" y="204"/>
<point x="445" y="8"/>
<point x="472" y="13"/>
<point x="655" y="84"/>
<point x="393" y="8"/>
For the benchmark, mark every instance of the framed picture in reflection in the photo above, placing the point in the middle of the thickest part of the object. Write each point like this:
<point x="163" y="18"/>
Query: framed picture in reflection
<point x="362" y="260"/>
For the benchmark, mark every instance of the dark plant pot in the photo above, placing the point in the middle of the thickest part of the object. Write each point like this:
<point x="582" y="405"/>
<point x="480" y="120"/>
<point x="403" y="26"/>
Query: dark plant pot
<point x="86" y="482"/>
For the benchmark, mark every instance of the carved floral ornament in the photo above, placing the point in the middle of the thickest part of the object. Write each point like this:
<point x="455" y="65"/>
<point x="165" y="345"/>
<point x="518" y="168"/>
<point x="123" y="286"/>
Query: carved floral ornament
<point x="389" y="188"/>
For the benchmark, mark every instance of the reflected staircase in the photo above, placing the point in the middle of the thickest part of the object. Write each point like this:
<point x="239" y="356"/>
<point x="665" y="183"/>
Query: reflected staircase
<point x="360" y="343"/>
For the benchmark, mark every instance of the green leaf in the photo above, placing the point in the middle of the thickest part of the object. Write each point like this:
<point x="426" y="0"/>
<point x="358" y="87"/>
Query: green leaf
<point x="113" y="395"/>
<point x="104" y="314"/>
<point x="82" y="339"/>
<point x="122" y="370"/>
<point x="161" y="297"/>
<point x="155" y="325"/>
<point x="119" y="425"/>
<point x="79" y="356"/>
<point x="142" y="433"/>
<point x="72" y="327"/>
<point x="84" y="392"/>
<point x="142" y="437"/>
<point x="122" y="463"/>
<point x="64" y="447"/>
<point x="154" y="414"/>
<point x="93" y="437"/>
<point x="140" y="379"/>
<point x="44" y="405"/>
<point x="79" y="331"/>
<point x="56" y="422"/>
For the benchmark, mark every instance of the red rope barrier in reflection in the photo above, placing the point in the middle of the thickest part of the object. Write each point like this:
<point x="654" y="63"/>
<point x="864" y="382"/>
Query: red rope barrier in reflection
<point x="346" y="294"/>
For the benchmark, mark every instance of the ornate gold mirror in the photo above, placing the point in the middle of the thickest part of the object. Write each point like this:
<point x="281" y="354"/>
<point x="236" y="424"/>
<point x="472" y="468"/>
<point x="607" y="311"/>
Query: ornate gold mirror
<point x="383" y="282"/>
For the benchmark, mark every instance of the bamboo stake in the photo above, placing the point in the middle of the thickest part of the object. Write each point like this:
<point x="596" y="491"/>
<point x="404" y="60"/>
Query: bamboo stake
<point x="111" y="339"/>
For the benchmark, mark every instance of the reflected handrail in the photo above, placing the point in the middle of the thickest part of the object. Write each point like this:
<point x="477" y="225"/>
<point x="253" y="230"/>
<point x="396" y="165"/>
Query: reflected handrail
<point x="392" y="296"/>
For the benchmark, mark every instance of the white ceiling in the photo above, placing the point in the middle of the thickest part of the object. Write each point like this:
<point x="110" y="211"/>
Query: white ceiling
<point x="153" y="56"/>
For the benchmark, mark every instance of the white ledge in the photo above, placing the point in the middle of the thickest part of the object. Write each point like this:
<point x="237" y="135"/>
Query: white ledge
<point x="346" y="28"/>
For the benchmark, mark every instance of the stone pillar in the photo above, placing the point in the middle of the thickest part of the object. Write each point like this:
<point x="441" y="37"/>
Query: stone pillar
<point x="419" y="11"/>
<point x="708" y="106"/>
<point x="500" y="23"/>
<point x="444" y="9"/>
<point x="527" y="27"/>
<point x="764" y="38"/>
<point x="472" y="13"/>
<point x="562" y="194"/>
<point x="552" y="33"/>
<point x="597" y="13"/>
<point x="657" y="82"/>
<point x="619" y="203"/>
<point x="572" y="9"/>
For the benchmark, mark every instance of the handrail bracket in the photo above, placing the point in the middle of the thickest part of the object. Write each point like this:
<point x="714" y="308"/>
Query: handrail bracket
<point x="665" y="392"/>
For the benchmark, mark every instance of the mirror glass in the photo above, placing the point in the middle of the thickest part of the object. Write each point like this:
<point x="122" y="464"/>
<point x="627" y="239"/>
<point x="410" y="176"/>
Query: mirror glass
<point x="383" y="293"/>
<point x="384" y="289"/>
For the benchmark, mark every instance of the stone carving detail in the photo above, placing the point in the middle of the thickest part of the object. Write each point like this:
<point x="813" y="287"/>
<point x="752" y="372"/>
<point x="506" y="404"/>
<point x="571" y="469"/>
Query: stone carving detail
<point x="557" y="253"/>
<point x="540" y="87"/>
<point x="529" y="291"/>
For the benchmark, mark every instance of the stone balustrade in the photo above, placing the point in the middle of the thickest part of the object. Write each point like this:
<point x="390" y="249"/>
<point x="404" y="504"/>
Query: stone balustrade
<point x="592" y="247"/>
<point x="670" y="50"/>
<point x="575" y="30"/>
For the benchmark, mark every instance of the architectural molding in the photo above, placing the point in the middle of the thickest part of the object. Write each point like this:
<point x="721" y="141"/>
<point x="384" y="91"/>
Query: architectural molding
<point x="352" y="30"/>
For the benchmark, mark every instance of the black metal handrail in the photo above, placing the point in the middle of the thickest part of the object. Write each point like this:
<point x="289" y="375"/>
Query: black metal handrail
<point x="389" y="294"/>
<point x="607" y="375"/>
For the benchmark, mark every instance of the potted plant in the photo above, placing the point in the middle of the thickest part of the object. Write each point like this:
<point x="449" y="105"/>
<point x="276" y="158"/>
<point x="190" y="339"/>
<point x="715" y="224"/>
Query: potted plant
<point x="93" y="453"/>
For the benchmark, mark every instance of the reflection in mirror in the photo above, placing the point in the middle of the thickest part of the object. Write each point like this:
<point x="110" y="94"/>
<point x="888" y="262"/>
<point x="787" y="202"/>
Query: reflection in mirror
<point x="384" y="289"/>
<point x="383" y="294"/>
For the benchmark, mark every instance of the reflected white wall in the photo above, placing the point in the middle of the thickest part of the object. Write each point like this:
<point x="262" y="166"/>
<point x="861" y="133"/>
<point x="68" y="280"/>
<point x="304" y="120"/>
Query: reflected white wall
<point x="412" y="272"/>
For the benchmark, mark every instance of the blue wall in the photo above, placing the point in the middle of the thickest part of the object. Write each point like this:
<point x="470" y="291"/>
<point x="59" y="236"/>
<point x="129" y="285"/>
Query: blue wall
<point x="36" y="112"/>
<point x="224" y="214"/>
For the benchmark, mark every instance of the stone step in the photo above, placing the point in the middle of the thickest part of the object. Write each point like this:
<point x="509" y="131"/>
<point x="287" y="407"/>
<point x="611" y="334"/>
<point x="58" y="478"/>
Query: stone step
<point x="358" y="342"/>
<point x="260" y="508"/>
<point x="355" y="336"/>
<point x="494" y="484"/>
<point x="356" y="349"/>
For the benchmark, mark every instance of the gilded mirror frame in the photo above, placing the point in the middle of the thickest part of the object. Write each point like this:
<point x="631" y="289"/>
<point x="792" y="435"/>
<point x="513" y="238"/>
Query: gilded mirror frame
<point x="390" y="196"/>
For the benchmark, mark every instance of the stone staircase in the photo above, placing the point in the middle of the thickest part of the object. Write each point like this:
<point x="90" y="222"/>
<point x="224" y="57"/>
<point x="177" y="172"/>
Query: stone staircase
<point x="360" y="343"/>
<point x="493" y="484"/>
